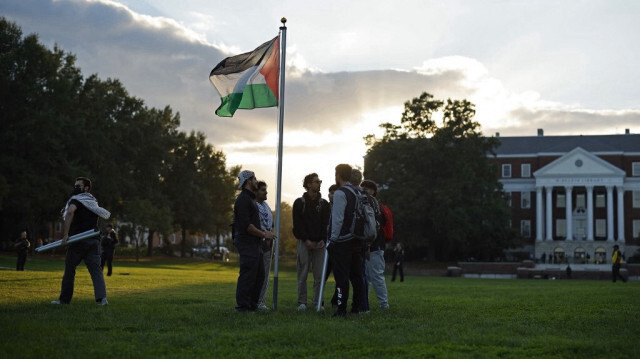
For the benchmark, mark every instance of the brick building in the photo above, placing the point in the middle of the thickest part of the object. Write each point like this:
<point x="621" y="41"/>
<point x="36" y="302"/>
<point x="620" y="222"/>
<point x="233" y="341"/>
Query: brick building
<point x="573" y="196"/>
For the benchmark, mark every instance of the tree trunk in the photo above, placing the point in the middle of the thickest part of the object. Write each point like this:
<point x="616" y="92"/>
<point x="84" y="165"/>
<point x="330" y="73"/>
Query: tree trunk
<point x="139" y="234"/>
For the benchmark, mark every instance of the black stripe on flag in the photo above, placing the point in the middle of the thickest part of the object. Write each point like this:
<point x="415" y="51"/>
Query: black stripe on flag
<point x="244" y="61"/>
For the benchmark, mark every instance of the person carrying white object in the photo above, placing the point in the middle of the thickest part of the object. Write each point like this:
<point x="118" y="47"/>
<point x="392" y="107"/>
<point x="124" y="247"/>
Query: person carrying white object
<point x="80" y="215"/>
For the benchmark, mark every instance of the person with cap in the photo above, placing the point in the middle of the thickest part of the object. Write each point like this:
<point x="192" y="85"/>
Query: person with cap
<point x="616" y="261"/>
<point x="247" y="237"/>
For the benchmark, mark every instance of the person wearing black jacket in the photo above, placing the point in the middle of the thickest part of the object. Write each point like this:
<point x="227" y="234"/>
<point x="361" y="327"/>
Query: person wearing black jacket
<point x="310" y="220"/>
<point x="109" y="242"/>
<point x="247" y="239"/>
<point x="22" y="247"/>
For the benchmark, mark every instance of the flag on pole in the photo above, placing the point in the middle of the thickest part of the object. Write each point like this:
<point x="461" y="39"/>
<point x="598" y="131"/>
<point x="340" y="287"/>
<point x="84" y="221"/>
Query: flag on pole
<point x="248" y="80"/>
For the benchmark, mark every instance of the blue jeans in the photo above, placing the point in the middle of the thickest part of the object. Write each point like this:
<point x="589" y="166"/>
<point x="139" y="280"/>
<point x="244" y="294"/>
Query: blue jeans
<point x="375" y="275"/>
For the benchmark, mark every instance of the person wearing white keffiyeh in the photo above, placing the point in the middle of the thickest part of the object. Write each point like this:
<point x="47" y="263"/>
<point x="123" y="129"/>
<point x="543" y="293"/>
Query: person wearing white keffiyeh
<point x="266" y="224"/>
<point x="81" y="214"/>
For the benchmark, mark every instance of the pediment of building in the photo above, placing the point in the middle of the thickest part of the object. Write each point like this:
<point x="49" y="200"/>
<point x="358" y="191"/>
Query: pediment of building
<point x="579" y="163"/>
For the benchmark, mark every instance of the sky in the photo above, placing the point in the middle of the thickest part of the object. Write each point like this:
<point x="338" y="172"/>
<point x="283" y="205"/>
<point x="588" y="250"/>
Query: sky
<point x="568" y="67"/>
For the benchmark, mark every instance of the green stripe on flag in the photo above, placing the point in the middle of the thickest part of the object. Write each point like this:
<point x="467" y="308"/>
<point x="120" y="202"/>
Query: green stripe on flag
<point x="254" y="96"/>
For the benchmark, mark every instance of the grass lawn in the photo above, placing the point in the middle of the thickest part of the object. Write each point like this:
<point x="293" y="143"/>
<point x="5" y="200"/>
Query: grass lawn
<point x="180" y="309"/>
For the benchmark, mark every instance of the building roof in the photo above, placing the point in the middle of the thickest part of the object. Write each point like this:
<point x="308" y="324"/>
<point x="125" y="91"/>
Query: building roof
<point x="562" y="144"/>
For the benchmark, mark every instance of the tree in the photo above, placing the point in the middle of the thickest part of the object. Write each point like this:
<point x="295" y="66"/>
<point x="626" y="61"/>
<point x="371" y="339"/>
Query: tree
<point x="287" y="241"/>
<point x="447" y="201"/>
<point x="56" y="126"/>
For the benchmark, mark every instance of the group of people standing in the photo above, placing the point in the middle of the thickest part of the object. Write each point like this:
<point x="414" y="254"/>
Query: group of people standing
<point x="321" y="228"/>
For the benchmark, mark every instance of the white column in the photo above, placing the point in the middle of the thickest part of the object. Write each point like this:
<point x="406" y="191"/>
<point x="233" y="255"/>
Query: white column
<point x="620" y="191"/>
<point x="569" y="213"/>
<point x="549" y="212"/>
<point x="610" y="213"/>
<point x="589" y="213"/>
<point x="539" y="206"/>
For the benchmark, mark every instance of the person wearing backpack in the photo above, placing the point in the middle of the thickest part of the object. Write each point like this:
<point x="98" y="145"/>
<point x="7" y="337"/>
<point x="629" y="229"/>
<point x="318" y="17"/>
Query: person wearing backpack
<point x="375" y="263"/>
<point x="310" y="220"/>
<point x="343" y="247"/>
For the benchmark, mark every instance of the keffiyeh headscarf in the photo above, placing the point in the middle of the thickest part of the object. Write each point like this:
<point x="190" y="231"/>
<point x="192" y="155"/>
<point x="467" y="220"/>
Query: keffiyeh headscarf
<point x="89" y="201"/>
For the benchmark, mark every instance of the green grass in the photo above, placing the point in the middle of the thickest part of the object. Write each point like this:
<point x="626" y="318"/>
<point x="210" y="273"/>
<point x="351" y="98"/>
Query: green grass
<point x="181" y="309"/>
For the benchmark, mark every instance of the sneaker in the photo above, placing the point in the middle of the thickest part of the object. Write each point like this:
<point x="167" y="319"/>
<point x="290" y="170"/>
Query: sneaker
<point x="384" y="306"/>
<point x="262" y="306"/>
<point x="302" y="306"/>
<point x="56" y="302"/>
<point x="102" y="301"/>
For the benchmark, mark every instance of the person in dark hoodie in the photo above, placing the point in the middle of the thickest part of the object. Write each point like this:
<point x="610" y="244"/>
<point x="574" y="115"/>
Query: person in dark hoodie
<point x="310" y="220"/>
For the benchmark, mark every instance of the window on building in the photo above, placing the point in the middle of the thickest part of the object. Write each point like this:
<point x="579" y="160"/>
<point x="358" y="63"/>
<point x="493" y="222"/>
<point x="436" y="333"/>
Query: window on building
<point x="525" y="170"/>
<point x="525" y="228"/>
<point x="581" y="201"/>
<point x="195" y="241"/>
<point x="561" y="228"/>
<point x="600" y="200"/>
<point x="525" y="200"/>
<point x="635" y="169"/>
<point x="636" y="228"/>
<point x="507" y="197"/>
<point x="506" y="170"/>
<point x="561" y="202"/>
<point x="601" y="228"/>
<point x="636" y="199"/>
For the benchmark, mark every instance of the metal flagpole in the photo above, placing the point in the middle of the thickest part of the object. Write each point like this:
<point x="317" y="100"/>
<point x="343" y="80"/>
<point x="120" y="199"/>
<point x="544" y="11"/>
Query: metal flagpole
<point x="324" y="280"/>
<point x="283" y="46"/>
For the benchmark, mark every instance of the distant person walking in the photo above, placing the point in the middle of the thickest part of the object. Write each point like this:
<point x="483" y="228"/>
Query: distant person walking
<point x="109" y="242"/>
<point x="22" y="248"/>
<point x="80" y="215"/>
<point x="616" y="261"/>
<point x="247" y="238"/>
<point x="310" y="220"/>
<point x="266" y="224"/>
<point x="398" y="259"/>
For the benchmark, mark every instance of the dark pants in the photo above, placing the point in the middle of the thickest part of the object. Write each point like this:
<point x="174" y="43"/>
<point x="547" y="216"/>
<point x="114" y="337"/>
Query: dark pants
<point x="346" y="262"/>
<point x="615" y="271"/>
<point x="364" y="303"/>
<point x="22" y="259"/>
<point x="251" y="276"/>
<point x="397" y="266"/>
<point x="107" y="257"/>
<point x="89" y="251"/>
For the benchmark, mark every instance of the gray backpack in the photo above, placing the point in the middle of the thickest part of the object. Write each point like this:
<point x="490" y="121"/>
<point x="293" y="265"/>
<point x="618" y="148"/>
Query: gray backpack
<point x="364" y="224"/>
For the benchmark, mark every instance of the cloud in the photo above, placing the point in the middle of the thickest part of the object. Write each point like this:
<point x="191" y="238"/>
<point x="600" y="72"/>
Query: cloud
<point x="326" y="113"/>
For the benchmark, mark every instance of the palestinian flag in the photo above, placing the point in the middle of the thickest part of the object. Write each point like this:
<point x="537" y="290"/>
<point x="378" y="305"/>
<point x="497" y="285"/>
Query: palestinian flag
<point x="248" y="80"/>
